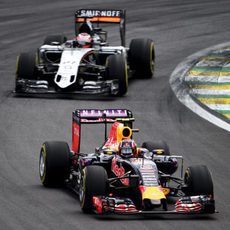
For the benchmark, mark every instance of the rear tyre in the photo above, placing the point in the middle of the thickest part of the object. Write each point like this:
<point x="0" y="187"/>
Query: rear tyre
<point x="198" y="181"/>
<point x="157" y="146"/>
<point x="117" y="69"/>
<point x="54" y="38"/>
<point x="94" y="183"/>
<point x="142" y="57"/>
<point x="54" y="163"/>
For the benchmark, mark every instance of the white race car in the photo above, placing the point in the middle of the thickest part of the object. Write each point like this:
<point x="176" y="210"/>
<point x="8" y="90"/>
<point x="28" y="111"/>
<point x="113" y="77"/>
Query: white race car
<point x="86" y="64"/>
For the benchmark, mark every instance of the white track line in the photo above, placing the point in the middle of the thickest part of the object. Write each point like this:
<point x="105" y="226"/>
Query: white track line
<point x="210" y="91"/>
<point x="219" y="106"/>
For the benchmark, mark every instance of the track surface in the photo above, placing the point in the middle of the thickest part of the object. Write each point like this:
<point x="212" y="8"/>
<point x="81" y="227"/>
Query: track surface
<point x="179" y="28"/>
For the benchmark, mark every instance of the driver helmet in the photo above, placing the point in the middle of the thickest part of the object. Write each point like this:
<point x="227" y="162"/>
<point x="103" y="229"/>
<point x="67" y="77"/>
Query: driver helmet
<point x="127" y="148"/>
<point x="84" y="40"/>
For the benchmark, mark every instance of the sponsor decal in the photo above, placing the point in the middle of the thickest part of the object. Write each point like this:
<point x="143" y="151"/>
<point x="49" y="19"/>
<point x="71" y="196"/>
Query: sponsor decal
<point x="76" y="131"/>
<point x="75" y="137"/>
<point x="99" y="13"/>
<point x="151" y="192"/>
<point x="119" y="171"/>
<point x="97" y="203"/>
<point x="146" y="166"/>
<point x="142" y="189"/>
<point x="99" y="120"/>
<point x="158" y="151"/>
<point x="111" y="145"/>
<point x="99" y="113"/>
<point x="112" y="139"/>
<point x="166" y="191"/>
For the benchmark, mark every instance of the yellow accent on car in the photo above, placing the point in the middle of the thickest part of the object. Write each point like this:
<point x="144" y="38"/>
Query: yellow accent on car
<point x="126" y="75"/>
<point x="166" y="191"/>
<point x="119" y="132"/>
<point x="109" y="152"/>
<point x="153" y="193"/>
<point x="43" y="177"/>
<point x="151" y="57"/>
<point x="158" y="151"/>
<point x="17" y="65"/>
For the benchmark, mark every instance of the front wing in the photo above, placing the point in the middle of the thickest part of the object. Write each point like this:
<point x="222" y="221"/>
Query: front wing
<point x="109" y="87"/>
<point x="202" y="204"/>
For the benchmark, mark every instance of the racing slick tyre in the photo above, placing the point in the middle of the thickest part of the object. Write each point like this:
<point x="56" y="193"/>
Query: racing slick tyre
<point x="198" y="180"/>
<point x="157" y="145"/>
<point x="54" y="163"/>
<point x="93" y="183"/>
<point x="142" y="57"/>
<point x="25" y="67"/>
<point x="54" y="38"/>
<point x="117" y="69"/>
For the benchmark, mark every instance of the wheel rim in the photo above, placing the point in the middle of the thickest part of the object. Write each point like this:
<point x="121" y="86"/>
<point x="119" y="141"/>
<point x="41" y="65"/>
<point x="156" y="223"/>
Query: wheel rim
<point x="42" y="166"/>
<point x="17" y="67"/>
<point x="82" y="190"/>
<point x="186" y="177"/>
<point x="126" y="76"/>
<point x="81" y="193"/>
<point x="152" y="61"/>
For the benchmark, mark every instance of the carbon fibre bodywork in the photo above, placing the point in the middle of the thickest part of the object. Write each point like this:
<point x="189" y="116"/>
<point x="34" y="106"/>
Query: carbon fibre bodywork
<point x="146" y="181"/>
<point x="66" y="66"/>
<point x="141" y="184"/>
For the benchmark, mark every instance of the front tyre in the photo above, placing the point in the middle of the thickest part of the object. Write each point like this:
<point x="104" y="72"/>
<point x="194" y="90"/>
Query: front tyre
<point x="142" y="57"/>
<point x="51" y="39"/>
<point x="158" y="147"/>
<point x="94" y="183"/>
<point x="117" y="69"/>
<point x="25" y="66"/>
<point x="198" y="181"/>
<point x="54" y="163"/>
<point x="25" y="69"/>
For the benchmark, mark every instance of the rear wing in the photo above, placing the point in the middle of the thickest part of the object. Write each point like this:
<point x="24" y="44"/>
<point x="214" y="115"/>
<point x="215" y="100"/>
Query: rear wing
<point x="96" y="116"/>
<point x="101" y="16"/>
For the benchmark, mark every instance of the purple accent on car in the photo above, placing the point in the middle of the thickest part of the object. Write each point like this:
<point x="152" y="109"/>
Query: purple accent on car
<point x="100" y="113"/>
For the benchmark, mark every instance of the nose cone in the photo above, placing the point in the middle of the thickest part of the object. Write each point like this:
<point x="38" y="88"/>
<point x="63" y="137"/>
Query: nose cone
<point x="152" y="193"/>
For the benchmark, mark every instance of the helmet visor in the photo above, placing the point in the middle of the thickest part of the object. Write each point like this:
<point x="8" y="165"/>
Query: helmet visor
<point x="126" y="151"/>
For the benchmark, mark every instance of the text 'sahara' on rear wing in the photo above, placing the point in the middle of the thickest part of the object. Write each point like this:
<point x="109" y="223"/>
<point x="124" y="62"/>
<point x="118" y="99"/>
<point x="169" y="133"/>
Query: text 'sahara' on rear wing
<point x="101" y="16"/>
<point x="94" y="116"/>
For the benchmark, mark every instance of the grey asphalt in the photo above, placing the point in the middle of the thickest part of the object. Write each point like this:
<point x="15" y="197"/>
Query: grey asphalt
<point x="179" y="28"/>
